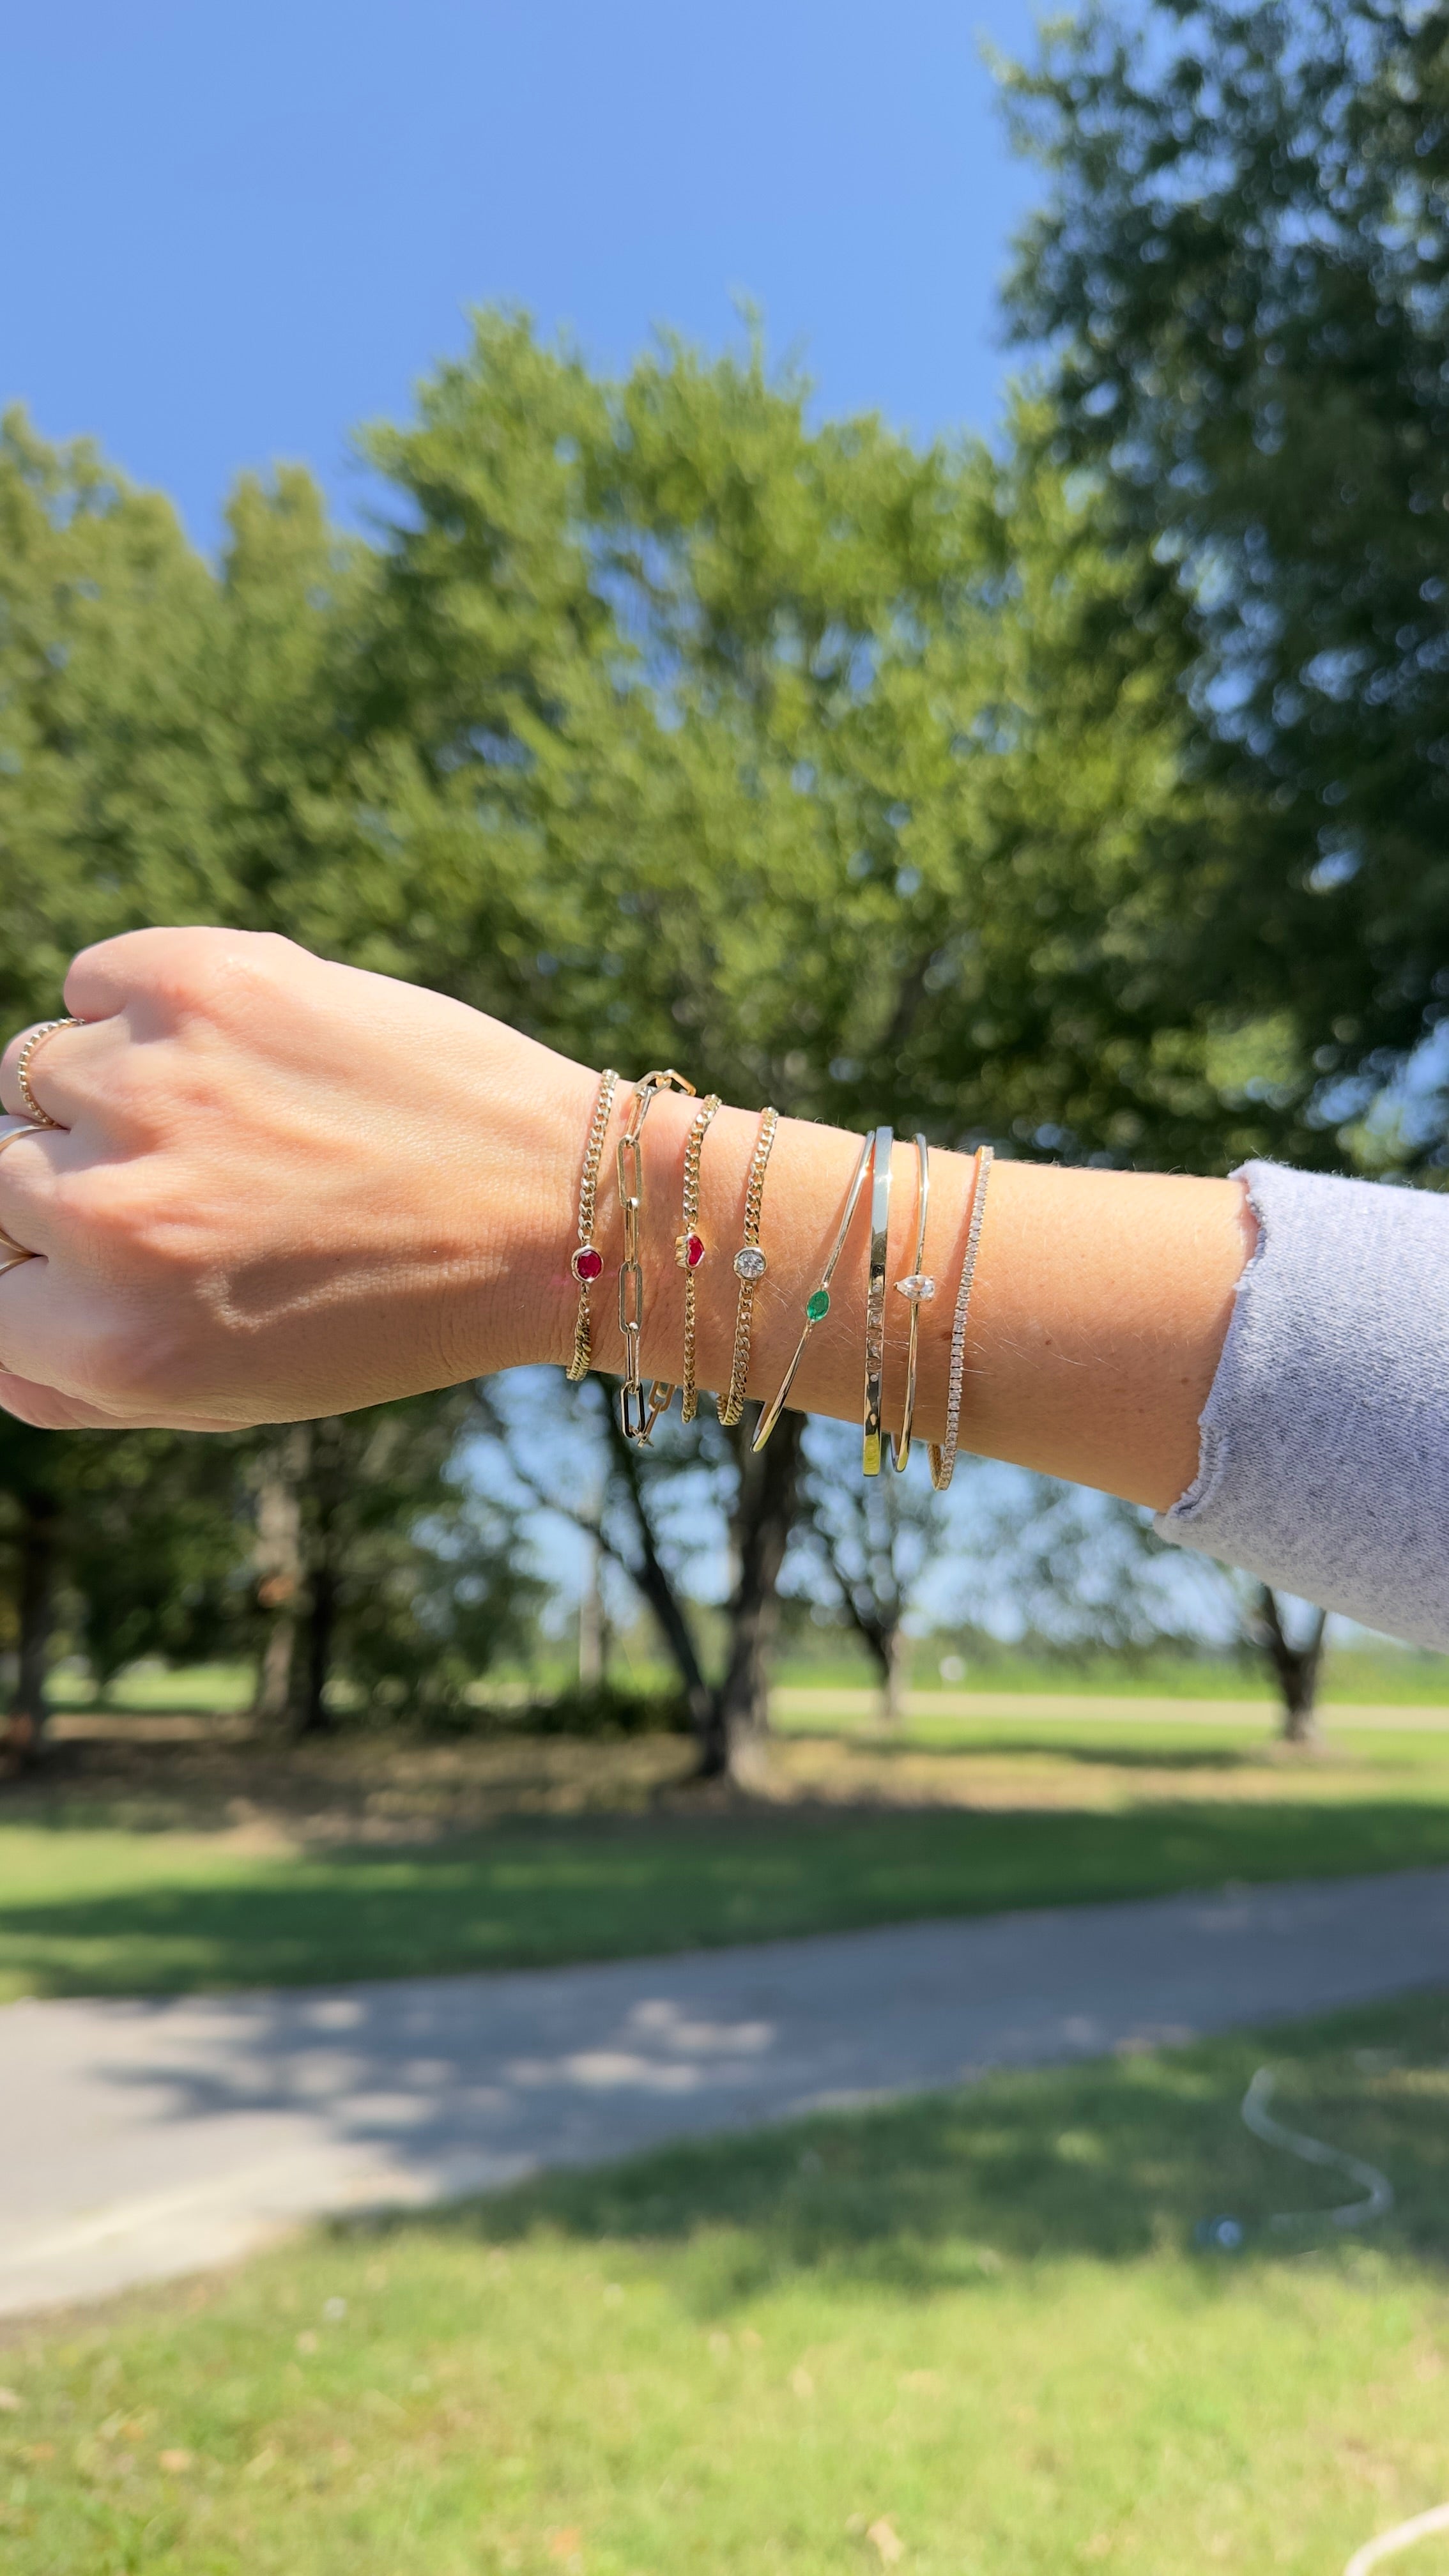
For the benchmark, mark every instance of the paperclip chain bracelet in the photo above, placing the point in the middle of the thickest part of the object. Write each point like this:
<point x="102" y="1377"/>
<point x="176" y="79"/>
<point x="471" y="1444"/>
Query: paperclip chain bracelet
<point x="917" y="1288"/>
<point x="817" y="1305"/>
<point x="633" y="1420"/>
<point x="882" y="1144"/>
<point x="588" y="1261"/>
<point x="689" y="1246"/>
<point x="750" y="1266"/>
<point x="943" y="1452"/>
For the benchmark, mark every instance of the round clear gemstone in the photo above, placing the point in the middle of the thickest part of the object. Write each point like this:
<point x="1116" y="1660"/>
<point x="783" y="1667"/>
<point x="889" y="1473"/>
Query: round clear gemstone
<point x="750" y="1262"/>
<point x="918" y="1288"/>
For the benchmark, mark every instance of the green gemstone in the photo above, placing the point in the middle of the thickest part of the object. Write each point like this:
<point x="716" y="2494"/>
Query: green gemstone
<point x="819" y="1305"/>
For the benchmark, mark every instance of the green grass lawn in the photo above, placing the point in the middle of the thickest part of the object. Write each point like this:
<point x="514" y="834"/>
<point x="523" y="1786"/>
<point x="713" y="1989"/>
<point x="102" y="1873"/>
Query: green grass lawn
<point x="87" y="1909"/>
<point x="969" y="2336"/>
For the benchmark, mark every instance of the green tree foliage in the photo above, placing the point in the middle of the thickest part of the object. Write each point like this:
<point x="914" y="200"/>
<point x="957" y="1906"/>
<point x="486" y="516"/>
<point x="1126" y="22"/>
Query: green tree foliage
<point x="1243" y="270"/>
<point x="799" y="752"/>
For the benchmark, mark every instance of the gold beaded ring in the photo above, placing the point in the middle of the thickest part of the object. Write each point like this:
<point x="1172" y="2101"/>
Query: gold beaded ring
<point x="38" y="1035"/>
<point x="689" y="1247"/>
<point x="916" y="1288"/>
<point x="749" y="1266"/>
<point x="817" y="1304"/>
<point x="588" y="1262"/>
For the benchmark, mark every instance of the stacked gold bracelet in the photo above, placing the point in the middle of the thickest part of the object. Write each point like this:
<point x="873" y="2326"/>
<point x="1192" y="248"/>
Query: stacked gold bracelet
<point x="917" y="1288"/>
<point x="817" y="1304"/>
<point x="588" y="1262"/>
<point x="637" y="1424"/>
<point x="882" y="1145"/>
<point x="689" y="1246"/>
<point x="750" y="1266"/>
<point x="943" y="1452"/>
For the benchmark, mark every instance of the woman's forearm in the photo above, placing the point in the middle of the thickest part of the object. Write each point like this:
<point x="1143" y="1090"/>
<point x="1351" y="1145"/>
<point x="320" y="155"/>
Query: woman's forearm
<point x="1097" y="1317"/>
<point x="282" y="1188"/>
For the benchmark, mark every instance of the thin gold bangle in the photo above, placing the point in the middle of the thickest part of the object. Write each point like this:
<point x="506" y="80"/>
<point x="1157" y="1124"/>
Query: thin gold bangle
<point x="817" y="1304"/>
<point x="943" y="1452"/>
<point x="916" y="1287"/>
<point x="750" y="1266"/>
<point x="881" y="1145"/>
<point x="588" y="1262"/>
<point x="637" y="1424"/>
<point x="689" y="1246"/>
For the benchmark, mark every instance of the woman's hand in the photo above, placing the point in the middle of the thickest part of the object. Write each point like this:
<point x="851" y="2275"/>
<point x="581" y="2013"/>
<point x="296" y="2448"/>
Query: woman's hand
<point x="277" y="1188"/>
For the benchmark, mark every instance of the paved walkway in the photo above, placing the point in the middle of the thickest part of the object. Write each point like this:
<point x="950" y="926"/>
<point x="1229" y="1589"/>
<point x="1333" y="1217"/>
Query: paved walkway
<point x="141" y="2140"/>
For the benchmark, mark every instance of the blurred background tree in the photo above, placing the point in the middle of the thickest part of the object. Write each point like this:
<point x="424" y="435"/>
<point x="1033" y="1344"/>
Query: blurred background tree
<point x="1241" y="272"/>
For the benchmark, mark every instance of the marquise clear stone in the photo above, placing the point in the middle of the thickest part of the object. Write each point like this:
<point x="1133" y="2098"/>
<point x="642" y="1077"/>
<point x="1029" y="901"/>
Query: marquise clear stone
<point x="918" y="1288"/>
<point x="750" y="1262"/>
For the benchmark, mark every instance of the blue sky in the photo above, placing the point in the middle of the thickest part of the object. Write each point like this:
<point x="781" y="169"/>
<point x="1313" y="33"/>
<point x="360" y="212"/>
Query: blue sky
<point x="234" y="234"/>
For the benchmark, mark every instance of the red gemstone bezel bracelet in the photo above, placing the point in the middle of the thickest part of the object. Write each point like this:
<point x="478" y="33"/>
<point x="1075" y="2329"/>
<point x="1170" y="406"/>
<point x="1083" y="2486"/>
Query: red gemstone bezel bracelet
<point x="588" y="1262"/>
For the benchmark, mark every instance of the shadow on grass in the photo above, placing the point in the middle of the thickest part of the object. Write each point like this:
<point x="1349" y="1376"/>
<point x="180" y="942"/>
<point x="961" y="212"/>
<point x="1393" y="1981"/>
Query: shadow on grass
<point x="1112" y="2161"/>
<point x="1123" y="1757"/>
<point x="529" y="1897"/>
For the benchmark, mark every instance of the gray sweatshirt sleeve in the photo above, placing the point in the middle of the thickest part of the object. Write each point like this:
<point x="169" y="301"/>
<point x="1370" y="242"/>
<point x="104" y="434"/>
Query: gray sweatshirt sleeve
<point x="1324" y="1465"/>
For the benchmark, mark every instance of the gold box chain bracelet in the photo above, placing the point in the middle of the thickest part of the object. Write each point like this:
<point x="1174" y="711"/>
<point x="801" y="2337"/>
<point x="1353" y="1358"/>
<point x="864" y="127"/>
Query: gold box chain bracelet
<point x="588" y="1262"/>
<point x="689" y="1245"/>
<point x="635" y="1423"/>
<point x="750" y="1266"/>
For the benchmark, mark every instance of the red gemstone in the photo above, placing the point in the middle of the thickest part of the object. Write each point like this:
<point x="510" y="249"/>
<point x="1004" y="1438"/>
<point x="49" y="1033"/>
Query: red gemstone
<point x="587" y="1263"/>
<point x="693" y="1251"/>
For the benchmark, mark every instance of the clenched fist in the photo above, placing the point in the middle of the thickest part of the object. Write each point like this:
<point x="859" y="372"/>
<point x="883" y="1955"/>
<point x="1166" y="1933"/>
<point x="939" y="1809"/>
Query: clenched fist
<point x="277" y="1188"/>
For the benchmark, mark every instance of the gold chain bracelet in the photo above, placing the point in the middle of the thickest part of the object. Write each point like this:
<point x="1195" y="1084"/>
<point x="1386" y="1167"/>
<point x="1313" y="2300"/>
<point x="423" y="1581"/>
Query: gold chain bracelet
<point x="689" y="1246"/>
<point x="636" y="1424"/>
<point x="588" y="1262"/>
<point x="750" y="1266"/>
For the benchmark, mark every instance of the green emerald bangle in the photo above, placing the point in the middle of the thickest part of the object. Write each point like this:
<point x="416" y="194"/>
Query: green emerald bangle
<point x="817" y="1304"/>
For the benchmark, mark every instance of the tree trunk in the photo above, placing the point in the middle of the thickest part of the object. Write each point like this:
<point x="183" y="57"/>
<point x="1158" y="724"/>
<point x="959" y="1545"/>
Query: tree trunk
<point x="310" y="1713"/>
<point x="313" y="1715"/>
<point x="763" y="1519"/>
<point x="652" y="1577"/>
<point x="1295" y="1668"/>
<point x="893" y="1686"/>
<point x="592" y="1628"/>
<point x="39" y="1547"/>
<point x="278" y="1562"/>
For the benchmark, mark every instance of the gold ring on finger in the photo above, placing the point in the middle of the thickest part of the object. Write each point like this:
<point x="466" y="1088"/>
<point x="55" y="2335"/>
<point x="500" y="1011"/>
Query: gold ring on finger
<point x="12" y="1126"/>
<point x="38" y="1035"/>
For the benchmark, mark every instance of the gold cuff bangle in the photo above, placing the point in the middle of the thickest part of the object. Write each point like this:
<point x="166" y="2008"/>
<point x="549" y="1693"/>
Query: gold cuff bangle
<point x="817" y="1305"/>
<point x="881" y="1145"/>
<point x="588" y="1261"/>
<point x="943" y="1452"/>
<point x="750" y="1266"/>
<point x="637" y="1424"/>
<point x="36" y="1040"/>
<point x="917" y="1288"/>
<point x="689" y="1246"/>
